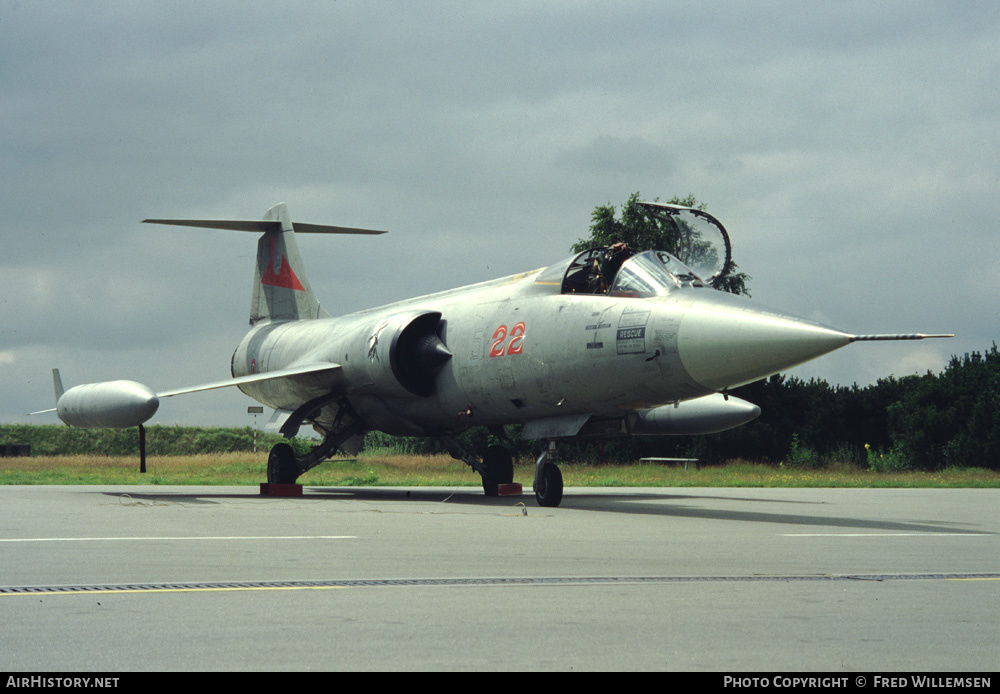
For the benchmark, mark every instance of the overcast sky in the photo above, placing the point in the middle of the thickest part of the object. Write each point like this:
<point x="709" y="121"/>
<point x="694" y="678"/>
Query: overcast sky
<point x="852" y="149"/>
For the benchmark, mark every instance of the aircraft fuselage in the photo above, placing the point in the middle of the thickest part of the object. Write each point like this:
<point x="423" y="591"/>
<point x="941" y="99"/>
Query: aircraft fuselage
<point x="521" y="351"/>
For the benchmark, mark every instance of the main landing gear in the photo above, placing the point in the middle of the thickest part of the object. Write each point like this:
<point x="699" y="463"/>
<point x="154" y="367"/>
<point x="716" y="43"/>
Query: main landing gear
<point x="499" y="464"/>
<point x="497" y="467"/>
<point x="283" y="467"/>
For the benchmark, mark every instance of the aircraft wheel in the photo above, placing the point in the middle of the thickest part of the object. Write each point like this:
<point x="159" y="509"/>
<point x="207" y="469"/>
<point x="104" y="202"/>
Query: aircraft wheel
<point x="281" y="465"/>
<point x="550" y="490"/>
<point x="500" y="463"/>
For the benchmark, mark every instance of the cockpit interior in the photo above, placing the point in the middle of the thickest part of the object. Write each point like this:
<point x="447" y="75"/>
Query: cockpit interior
<point x="617" y="271"/>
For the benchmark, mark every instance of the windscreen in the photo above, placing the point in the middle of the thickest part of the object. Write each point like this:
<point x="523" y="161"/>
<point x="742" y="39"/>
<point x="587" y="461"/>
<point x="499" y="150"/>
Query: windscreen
<point x="650" y="274"/>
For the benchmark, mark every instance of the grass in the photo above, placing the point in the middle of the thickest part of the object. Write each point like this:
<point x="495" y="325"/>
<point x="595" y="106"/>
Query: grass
<point x="441" y="470"/>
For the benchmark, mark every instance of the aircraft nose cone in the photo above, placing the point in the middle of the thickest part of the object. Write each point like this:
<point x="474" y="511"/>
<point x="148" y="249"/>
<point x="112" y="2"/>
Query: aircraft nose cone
<point x="727" y="342"/>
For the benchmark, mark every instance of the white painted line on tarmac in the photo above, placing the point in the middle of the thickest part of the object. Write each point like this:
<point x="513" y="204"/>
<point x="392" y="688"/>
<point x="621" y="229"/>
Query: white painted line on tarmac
<point x="180" y="590"/>
<point x="180" y="538"/>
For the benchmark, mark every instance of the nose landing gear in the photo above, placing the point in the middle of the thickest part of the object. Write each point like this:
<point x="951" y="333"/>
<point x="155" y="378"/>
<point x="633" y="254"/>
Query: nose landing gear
<point x="548" y="478"/>
<point x="497" y="468"/>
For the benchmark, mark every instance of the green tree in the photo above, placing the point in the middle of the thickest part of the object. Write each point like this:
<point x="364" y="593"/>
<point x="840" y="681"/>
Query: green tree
<point x="643" y="232"/>
<point x="952" y="419"/>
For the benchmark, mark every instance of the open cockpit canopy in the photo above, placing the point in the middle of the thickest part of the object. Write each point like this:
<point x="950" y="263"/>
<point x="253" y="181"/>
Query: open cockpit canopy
<point x="700" y="240"/>
<point x="701" y="255"/>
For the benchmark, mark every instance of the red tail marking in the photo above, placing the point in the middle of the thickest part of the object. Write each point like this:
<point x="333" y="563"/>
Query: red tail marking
<point x="284" y="277"/>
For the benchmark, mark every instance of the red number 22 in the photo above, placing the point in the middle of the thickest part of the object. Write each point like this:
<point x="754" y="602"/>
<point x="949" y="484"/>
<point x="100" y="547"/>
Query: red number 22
<point x="500" y="346"/>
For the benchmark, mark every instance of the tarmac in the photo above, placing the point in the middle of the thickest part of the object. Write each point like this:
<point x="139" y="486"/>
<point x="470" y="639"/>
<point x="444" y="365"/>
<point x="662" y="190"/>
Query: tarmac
<point x="150" y="578"/>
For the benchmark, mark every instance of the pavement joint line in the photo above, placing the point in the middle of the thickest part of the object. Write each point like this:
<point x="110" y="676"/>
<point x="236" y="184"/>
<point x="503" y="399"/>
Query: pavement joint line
<point x="231" y="586"/>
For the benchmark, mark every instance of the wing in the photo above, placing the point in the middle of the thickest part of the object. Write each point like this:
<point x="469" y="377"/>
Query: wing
<point x="254" y="378"/>
<point x="123" y="404"/>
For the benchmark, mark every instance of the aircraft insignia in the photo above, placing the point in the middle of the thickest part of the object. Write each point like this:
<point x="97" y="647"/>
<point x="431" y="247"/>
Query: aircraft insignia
<point x="282" y="275"/>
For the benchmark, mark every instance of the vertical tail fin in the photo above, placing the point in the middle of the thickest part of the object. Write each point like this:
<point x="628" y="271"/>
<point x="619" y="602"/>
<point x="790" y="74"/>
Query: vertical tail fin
<point x="280" y="290"/>
<point x="57" y="384"/>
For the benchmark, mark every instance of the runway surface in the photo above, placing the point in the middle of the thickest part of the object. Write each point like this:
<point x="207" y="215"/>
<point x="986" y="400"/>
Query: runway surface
<point x="117" y="579"/>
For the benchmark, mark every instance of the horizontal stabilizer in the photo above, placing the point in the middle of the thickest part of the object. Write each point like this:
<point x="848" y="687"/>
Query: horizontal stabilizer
<point x="255" y="378"/>
<point x="260" y="226"/>
<point x="57" y="383"/>
<point x="904" y="336"/>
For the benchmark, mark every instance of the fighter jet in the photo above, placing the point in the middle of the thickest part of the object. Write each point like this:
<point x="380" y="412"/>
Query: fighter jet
<point x="608" y="342"/>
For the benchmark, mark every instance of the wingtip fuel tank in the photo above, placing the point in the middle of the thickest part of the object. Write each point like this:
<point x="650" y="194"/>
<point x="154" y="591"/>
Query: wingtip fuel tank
<point x="107" y="405"/>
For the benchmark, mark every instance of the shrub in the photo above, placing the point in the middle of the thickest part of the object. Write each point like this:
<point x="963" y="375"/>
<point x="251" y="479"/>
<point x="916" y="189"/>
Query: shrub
<point x="894" y="460"/>
<point x="802" y="456"/>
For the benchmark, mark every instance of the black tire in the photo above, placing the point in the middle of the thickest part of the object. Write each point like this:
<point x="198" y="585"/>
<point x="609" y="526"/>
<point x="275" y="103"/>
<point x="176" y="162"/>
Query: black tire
<point x="281" y="465"/>
<point x="500" y="464"/>
<point x="550" y="489"/>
